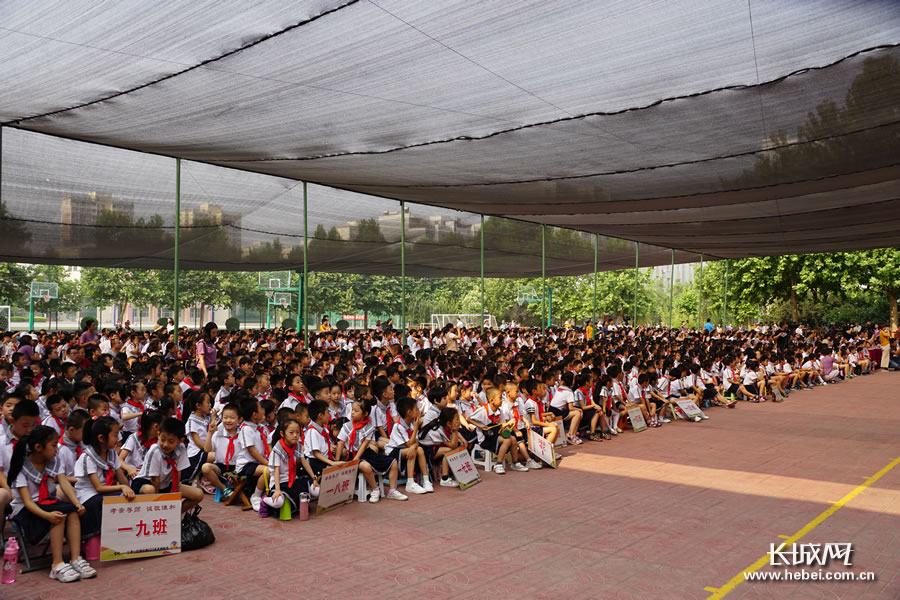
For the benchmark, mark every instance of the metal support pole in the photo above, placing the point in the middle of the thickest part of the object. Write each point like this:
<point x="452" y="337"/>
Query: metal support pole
<point x="637" y="249"/>
<point x="671" y="288"/>
<point x="268" y="313"/>
<point x="725" y="298"/>
<point x="549" y="307"/>
<point x="543" y="277"/>
<point x="482" y="274"/>
<point x="30" y="313"/>
<point x="402" y="272"/>
<point x="305" y="282"/>
<point x="700" y="297"/>
<point x="594" y="318"/>
<point x="176" y="307"/>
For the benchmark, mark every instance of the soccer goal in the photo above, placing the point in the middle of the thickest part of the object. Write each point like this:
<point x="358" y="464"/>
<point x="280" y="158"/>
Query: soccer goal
<point x="438" y="321"/>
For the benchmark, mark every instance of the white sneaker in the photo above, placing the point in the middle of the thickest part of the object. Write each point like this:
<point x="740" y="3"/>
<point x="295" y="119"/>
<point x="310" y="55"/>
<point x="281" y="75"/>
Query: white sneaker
<point x="665" y="420"/>
<point x="619" y="430"/>
<point x="65" y="573"/>
<point x="704" y="417"/>
<point x="533" y="464"/>
<point x="395" y="495"/>
<point x="697" y="419"/>
<point x="518" y="467"/>
<point x="85" y="570"/>
<point x="254" y="502"/>
<point x="414" y="488"/>
<point x="448" y="483"/>
<point x="499" y="469"/>
<point x="375" y="496"/>
<point x="614" y="432"/>
<point x="428" y="487"/>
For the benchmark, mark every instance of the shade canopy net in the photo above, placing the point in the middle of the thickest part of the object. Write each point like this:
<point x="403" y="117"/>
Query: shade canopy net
<point x="722" y="128"/>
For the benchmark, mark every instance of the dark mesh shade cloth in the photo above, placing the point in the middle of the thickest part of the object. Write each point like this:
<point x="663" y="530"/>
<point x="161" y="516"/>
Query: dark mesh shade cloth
<point x="722" y="128"/>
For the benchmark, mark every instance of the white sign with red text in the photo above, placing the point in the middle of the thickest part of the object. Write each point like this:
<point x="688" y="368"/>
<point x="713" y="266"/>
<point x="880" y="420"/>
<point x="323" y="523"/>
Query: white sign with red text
<point x="463" y="468"/>
<point x="337" y="487"/>
<point x="149" y="525"/>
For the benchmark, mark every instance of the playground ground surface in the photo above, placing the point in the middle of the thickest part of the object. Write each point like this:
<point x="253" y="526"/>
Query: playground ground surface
<point x="677" y="512"/>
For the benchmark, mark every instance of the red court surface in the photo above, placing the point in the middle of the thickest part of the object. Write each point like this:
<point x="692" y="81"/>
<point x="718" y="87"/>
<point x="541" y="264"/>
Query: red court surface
<point x="663" y="514"/>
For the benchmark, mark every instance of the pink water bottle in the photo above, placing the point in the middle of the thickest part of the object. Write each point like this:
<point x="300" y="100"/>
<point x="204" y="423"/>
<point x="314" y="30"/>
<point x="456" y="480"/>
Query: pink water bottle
<point x="10" y="561"/>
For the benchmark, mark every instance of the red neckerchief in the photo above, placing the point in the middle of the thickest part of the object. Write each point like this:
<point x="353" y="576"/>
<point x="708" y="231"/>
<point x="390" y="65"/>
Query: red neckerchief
<point x="229" y="453"/>
<point x="292" y="463"/>
<point x="60" y="424"/>
<point x="492" y="418"/>
<point x="72" y="446"/>
<point x="135" y="403"/>
<point x="540" y="406"/>
<point x="352" y="439"/>
<point x="298" y="398"/>
<point x="324" y="435"/>
<point x="44" y="492"/>
<point x="390" y="421"/>
<point x="448" y="433"/>
<point x="190" y="384"/>
<point x="171" y="463"/>
<point x="110" y="474"/>
<point x="263" y="436"/>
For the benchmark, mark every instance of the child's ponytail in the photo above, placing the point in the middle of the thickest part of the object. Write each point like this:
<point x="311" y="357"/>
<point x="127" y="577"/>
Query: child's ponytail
<point x="39" y="435"/>
<point x="95" y="428"/>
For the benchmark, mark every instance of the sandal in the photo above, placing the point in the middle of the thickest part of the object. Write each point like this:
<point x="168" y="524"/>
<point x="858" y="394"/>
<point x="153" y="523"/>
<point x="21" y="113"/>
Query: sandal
<point x="595" y="438"/>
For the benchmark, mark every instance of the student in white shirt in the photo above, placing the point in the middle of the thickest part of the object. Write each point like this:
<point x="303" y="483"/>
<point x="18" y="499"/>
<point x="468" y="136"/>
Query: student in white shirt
<point x="34" y="475"/>
<point x="135" y="447"/>
<point x="563" y="405"/>
<point x="98" y="471"/>
<point x="199" y="428"/>
<point x="317" y="442"/>
<point x="70" y="446"/>
<point x="164" y="463"/>
<point x="357" y="439"/>
<point x="289" y="472"/>
<point x="226" y="445"/>
<point x="404" y="447"/>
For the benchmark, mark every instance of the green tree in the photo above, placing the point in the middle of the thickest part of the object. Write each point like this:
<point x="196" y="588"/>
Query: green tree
<point x="878" y="270"/>
<point x="118" y="287"/>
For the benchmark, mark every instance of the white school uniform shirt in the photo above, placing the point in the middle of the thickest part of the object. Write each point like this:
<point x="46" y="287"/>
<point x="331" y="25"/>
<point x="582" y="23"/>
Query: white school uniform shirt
<point x="315" y="440"/>
<point x="58" y="426"/>
<point x="562" y="398"/>
<point x="6" y="449"/>
<point x="400" y="434"/>
<point x="249" y="437"/>
<point x="366" y="432"/>
<point x="43" y="411"/>
<point x="116" y="413"/>
<point x="66" y="455"/>
<point x="380" y="416"/>
<point x="221" y="399"/>
<point x="728" y="376"/>
<point x="635" y="395"/>
<point x="136" y="451"/>
<point x="675" y="388"/>
<point x="750" y="377"/>
<point x="431" y="412"/>
<point x="220" y="443"/>
<point x="30" y="478"/>
<point x="200" y="426"/>
<point x="281" y="459"/>
<point x="155" y="466"/>
<point x="129" y="409"/>
<point x="509" y="410"/>
<point x="435" y="437"/>
<point x="89" y="463"/>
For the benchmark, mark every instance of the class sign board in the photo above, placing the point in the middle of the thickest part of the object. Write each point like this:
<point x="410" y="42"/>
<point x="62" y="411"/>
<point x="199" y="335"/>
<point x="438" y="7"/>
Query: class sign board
<point x="337" y="487"/>
<point x="149" y="525"/>
<point x="463" y="468"/>
<point x="689" y="408"/>
<point x="541" y="448"/>
<point x="637" y="419"/>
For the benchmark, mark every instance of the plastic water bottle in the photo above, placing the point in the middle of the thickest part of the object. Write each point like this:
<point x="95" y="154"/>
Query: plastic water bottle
<point x="304" y="506"/>
<point x="10" y="560"/>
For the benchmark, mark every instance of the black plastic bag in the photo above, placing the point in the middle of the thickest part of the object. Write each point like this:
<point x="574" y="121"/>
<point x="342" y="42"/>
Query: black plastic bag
<point x="195" y="533"/>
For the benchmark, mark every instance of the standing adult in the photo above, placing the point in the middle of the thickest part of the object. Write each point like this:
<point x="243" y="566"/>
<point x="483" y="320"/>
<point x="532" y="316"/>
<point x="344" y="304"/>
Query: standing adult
<point x="325" y="326"/>
<point x="884" y="340"/>
<point x="206" y="347"/>
<point x="90" y="336"/>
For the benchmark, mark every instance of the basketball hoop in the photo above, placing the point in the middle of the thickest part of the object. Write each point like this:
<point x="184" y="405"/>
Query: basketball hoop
<point x="270" y="293"/>
<point x="284" y="304"/>
<point x="45" y="297"/>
